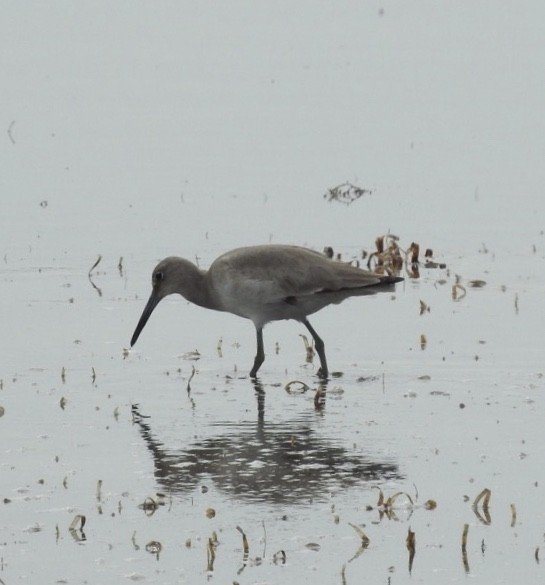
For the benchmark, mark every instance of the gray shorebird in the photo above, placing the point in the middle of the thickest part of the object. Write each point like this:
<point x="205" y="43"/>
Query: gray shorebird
<point x="263" y="284"/>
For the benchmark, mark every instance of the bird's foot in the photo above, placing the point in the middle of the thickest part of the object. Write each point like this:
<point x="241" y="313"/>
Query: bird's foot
<point x="322" y="373"/>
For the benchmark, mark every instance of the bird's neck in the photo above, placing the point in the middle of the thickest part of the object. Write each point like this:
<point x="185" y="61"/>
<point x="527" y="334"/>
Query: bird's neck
<point x="196" y="290"/>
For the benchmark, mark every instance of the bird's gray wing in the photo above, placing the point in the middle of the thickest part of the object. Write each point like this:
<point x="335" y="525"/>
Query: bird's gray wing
<point x="273" y="273"/>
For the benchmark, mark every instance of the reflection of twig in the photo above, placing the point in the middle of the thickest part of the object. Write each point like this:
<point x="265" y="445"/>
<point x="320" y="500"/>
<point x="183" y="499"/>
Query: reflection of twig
<point x="77" y="533"/>
<point x="99" y="291"/>
<point x="364" y="543"/>
<point x="10" y="127"/>
<point x="411" y="547"/>
<point x="455" y="288"/>
<point x="245" y="548"/>
<point x="464" y="548"/>
<point x="485" y="497"/>
<point x="245" y="545"/>
<point x="308" y="349"/>
<point x="385" y="507"/>
<point x="319" y="398"/>
<point x="513" y="515"/>
<point x="211" y="555"/>
<point x="190" y="378"/>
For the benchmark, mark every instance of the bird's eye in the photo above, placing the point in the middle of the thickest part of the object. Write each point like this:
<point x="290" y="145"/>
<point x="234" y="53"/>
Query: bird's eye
<point x="159" y="276"/>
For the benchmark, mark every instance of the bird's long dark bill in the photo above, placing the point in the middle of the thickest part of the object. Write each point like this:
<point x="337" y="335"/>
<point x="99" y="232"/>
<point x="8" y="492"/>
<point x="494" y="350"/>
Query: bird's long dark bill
<point x="148" y="310"/>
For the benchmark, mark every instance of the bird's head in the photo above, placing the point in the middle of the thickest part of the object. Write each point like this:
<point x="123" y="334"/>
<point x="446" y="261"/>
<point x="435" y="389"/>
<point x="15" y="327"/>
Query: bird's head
<point x="167" y="278"/>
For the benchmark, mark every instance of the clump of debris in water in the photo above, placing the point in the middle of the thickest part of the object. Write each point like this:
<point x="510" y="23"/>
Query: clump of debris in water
<point x="390" y="257"/>
<point x="346" y="193"/>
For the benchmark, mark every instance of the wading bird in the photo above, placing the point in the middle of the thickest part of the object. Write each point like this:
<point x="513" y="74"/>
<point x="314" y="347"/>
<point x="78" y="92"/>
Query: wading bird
<point x="265" y="283"/>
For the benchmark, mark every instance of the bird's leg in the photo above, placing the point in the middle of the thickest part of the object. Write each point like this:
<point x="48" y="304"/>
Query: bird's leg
<point x="260" y="355"/>
<point x="320" y="348"/>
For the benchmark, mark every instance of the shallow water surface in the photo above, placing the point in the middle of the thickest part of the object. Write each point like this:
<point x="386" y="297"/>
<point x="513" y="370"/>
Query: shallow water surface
<point x="186" y="457"/>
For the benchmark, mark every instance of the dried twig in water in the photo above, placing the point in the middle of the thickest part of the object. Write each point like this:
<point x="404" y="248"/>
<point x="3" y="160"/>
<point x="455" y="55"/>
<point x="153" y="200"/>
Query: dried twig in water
<point x="380" y="496"/>
<point x="99" y="291"/>
<point x="264" y="539"/>
<point x="78" y="519"/>
<point x="149" y="506"/>
<point x="245" y="545"/>
<point x="95" y="265"/>
<point x="485" y="497"/>
<point x="477" y="283"/>
<point x="432" y="264"/>
<point x="364" y="542"/>
<point x="308" y="348"/>
<point x="390" y="501"/>
<point x="10" y="128"/>
<point x="386" y="506"/>
<point x="77" y="533"/>
<point x="300" y="390"/>
<point x="414" y="252"/>
<point x="279" y="557"/>
<point x="120" y="266"/>
<point x="455" y="288"/>
<point x="191" y="355"/>
<point x="513" y="515"/>
<point x="364" y="538"/>
<point x="388" y="256"/>
<point x="99" y="490"/>
<point x="411" y="547"/>
<point x="154" y="547"/>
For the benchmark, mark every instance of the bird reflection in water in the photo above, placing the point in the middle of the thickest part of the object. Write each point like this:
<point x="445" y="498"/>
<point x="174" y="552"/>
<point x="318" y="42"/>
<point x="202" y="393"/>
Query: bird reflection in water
<point x="280" y="463"/>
